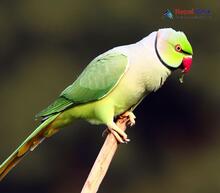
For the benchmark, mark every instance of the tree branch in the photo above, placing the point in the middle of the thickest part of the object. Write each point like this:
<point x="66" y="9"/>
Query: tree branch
<point x="103" y="160"/>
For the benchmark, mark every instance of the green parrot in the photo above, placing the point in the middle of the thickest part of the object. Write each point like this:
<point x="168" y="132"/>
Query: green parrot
<point x="112" y="85"/>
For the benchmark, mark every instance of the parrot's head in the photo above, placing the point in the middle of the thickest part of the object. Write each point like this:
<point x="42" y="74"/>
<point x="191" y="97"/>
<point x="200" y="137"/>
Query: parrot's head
<point x="174" y="49"/>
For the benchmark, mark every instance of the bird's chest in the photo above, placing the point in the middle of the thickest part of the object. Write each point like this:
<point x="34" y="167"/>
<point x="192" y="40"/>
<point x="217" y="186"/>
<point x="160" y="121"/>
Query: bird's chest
<point x="132" y="88"/>
<point x="137" y="83"/>
<point x="144" y="75"/>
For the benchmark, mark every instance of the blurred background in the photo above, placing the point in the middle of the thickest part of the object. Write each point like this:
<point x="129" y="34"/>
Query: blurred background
<point x="175" y="144"/>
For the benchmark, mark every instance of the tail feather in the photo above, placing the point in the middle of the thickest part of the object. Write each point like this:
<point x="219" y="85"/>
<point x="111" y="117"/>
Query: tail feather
<point x="34" y="139"/>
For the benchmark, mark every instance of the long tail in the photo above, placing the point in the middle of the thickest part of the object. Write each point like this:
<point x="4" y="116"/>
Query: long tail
<point x="33" y="140"/>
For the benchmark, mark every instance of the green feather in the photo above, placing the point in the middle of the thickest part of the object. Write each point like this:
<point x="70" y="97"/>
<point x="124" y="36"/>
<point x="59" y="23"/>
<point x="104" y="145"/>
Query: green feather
<point x="30" y="143"/>
<point x="58" y="105"/>
<point x="96" y="81"/>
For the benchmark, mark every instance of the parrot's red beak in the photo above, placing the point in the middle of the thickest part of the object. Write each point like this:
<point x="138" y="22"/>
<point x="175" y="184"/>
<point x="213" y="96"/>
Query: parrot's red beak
<point x="186" y="64"/>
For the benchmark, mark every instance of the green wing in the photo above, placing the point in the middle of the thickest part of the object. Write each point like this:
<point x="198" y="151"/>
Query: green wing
<point x="96" y="81"/>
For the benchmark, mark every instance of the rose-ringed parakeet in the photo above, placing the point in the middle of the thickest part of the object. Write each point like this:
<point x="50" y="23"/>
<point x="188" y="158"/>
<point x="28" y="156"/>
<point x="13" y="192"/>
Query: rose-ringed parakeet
<point x="112" y="85"/>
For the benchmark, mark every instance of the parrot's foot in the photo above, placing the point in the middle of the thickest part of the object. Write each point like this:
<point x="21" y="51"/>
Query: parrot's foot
<point x="119" y="134"/>
<point x="130" y="116"/>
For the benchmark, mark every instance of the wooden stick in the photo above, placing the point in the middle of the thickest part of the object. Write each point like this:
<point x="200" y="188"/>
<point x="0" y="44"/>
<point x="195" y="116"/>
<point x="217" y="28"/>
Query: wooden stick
<point x="103" y="161"/>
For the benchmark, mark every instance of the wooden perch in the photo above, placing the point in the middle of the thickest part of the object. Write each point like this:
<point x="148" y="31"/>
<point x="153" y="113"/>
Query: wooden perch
<point x="103" y="160"/>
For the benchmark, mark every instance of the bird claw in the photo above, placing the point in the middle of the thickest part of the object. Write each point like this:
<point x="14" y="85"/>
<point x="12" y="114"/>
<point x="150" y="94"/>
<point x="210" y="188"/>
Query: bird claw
<point x="131" y="117"/>
<point x="105" y="132"/>
<point x="119" y="137"/>
<point x="118" y="133"/>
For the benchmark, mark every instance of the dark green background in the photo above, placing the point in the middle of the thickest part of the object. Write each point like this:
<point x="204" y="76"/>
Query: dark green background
<point x="175" y="145"/>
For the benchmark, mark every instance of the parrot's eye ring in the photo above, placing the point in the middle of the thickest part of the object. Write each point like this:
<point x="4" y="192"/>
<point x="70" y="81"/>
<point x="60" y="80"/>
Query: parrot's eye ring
<point x="178" y="48"/>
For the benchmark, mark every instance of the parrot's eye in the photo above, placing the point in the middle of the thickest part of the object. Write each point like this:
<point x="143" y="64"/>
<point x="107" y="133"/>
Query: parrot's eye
<point x="178" y="48"/>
